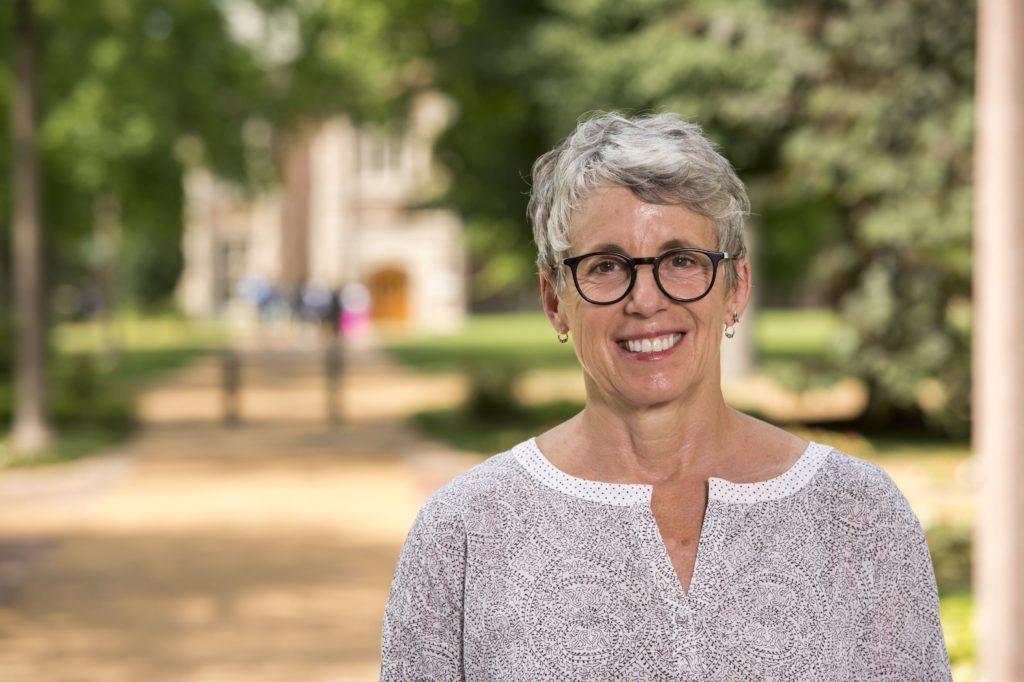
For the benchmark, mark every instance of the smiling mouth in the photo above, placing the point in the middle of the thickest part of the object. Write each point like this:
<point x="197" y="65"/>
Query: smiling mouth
<point x="654" y="345"/>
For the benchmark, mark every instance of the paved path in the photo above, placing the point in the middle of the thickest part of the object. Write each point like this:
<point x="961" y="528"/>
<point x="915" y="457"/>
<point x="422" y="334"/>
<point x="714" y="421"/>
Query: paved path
<point x="202" y="552"/>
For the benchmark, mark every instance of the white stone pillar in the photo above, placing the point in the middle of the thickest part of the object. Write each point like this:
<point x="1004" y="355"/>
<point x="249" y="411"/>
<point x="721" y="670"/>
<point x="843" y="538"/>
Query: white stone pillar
<point x="328" y="209"/>
<point x="739" y="352"/>
<point x="998" y="336"/>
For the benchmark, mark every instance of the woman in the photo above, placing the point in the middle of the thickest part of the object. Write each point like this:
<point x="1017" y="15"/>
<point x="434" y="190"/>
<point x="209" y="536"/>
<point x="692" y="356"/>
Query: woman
<point x="659" y="534"/>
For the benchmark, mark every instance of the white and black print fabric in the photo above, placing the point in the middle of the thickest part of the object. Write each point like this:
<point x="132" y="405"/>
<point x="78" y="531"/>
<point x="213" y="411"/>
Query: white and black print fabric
<point x="519" y="571"/>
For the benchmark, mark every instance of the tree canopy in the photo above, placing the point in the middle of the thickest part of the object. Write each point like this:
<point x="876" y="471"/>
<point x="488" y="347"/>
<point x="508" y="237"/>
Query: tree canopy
<point x="850" y="120"/>
<point x="131" y="90"/>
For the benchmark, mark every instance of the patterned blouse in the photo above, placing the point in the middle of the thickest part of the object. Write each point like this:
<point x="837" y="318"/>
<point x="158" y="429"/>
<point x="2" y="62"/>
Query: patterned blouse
<point x="518" y="571"/>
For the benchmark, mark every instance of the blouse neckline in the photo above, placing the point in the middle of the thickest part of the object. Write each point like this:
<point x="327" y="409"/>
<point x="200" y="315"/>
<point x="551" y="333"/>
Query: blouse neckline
<point x="530" y="457"/>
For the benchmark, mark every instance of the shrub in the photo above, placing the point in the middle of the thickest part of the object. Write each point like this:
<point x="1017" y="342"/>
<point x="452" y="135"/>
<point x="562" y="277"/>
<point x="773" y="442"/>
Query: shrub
<point x="951" y="549"/>
<point x="492" y="392"/>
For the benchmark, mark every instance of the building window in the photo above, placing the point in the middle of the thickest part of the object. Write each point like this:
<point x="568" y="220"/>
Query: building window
<point x="380" y="154"/>
<point x="229" y="269"/>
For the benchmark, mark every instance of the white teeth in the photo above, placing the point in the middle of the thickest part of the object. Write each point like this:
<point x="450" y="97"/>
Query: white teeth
<point x="652" y="345"/>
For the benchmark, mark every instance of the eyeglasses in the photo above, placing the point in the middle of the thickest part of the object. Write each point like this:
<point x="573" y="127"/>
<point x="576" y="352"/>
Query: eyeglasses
<point x="683" y="275"/>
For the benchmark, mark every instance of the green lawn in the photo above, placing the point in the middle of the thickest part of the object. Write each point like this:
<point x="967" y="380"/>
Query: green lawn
<point x="526" y="340"/>
<point x="142" y="349"/>
<point x="796" y="333"/>
<point x="468" y="430"/>
<point x="512" y="340"/>
<point x="96" y="372"/>
<point x="495" y="348"/>
<point x="958" y="627"/>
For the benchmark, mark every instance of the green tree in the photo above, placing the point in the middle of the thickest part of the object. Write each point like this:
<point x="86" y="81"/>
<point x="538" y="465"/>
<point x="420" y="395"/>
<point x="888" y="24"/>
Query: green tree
<point x="131" y="91"/>
<point x="886" y="132"/>
<point x="121" y="84"/>
<point x="523" y="73"/>
<point x="850" y="120"/>
<point x="483" y="63"/>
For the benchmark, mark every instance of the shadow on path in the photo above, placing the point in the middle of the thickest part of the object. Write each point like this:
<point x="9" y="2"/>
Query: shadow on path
<point x="205" y="552"/>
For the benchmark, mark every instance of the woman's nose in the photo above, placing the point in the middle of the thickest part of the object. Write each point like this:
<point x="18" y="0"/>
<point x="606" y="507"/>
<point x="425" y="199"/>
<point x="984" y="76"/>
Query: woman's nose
<point x="646" y="297"/>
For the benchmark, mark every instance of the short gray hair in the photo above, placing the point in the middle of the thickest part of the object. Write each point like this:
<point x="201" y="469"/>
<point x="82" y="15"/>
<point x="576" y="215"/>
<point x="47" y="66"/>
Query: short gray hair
<point x="661" y="158"/>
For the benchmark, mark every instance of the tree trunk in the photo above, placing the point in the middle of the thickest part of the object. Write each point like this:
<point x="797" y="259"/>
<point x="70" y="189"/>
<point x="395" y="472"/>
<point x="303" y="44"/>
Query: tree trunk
<point x="31" y="429"/>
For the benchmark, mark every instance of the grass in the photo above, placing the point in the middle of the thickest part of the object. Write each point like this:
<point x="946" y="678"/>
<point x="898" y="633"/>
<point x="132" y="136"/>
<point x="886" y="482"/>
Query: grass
<point x="513" y="340"/>
<point x="795" y="334"/>
<point x="137" y="332"/>
<point x="526" y="340"/>
<point x="145" y="347"/>
<point x="957" y="613"/>
<point x="93" y="383"/>
<point x="474" y="433"/>
<point x="792" y="346"/>
<point x="71" y="444"/>
<point x="511" y="343"/>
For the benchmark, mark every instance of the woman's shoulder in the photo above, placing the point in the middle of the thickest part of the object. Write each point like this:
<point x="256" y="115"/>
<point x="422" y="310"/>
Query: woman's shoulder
<point x="855" y="473"/>
<point x="862" y="491"/>
<point x="497" y="477"/>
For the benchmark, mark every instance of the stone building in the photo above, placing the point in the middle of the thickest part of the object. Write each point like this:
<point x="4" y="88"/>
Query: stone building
<point x="348" y="210"/>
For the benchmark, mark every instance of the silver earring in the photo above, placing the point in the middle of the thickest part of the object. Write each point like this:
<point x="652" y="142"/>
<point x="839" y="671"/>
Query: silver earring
<point x="563" y="337"/>
<point x="730" y="329"/>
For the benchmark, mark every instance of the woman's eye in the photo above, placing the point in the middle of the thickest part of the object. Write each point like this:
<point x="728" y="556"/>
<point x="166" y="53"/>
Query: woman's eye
<point x="607" y="266"/>
<point x="682" y="261"/>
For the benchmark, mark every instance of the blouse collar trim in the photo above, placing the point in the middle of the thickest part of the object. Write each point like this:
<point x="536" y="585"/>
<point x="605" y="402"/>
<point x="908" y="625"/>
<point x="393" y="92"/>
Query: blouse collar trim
<point x="530" y="457"/>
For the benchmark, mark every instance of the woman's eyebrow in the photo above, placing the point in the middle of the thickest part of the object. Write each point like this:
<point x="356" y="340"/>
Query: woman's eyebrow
<point x="677" y="244"/>
<point x="608" y="246"/>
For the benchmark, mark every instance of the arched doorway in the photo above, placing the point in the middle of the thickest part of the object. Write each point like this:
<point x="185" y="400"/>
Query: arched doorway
<point x="389" y="292"/>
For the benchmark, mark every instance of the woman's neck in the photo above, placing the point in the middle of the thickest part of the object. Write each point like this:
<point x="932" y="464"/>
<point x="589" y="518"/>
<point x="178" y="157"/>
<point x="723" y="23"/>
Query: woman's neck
<point x="652" y="445"/>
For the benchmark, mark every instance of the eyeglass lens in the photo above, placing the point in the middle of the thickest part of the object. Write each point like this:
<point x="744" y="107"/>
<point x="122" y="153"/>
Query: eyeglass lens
<point x="604" y="278"/>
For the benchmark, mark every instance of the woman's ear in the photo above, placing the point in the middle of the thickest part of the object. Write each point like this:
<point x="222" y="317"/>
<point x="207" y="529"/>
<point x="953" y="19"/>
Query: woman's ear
<point x="740" y="295"/>
<point x="552" y="305"/>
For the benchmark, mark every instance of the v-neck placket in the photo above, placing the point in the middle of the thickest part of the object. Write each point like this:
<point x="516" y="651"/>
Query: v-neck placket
<point x="528" y="454"/>
<point x="684" y="605"/>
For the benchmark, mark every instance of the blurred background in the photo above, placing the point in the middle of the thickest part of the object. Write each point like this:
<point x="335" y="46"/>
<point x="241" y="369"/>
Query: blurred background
<point x="288" y="289"/>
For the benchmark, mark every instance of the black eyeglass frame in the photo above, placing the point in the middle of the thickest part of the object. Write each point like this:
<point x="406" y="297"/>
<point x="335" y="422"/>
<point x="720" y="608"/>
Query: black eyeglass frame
<point x="655" y="262"/>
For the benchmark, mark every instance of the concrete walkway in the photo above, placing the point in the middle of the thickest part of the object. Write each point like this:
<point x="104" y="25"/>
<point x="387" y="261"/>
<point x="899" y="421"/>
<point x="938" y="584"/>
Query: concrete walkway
<point x="205" y="552"/>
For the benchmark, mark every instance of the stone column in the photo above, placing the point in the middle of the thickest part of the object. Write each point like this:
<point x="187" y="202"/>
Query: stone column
<point x="295" y="206"/>
<point x="739" y="352"/>
<point x="998" y="335"/>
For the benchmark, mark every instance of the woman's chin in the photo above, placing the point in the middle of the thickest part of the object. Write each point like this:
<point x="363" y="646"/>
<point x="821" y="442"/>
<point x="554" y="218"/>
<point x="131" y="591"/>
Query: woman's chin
<point x="650" y="395"/>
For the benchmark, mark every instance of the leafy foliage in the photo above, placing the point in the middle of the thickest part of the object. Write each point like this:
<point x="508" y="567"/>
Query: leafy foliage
<point x="886" y="133"/>
<point x="850" y="120"/>
<point x="130" y="91"/>
<point x="119" y="83"/>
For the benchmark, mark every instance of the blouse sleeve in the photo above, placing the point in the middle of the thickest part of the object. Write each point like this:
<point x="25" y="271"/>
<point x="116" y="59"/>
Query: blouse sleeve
<point x="906" y="640"/>
<point x="422" y="634"/>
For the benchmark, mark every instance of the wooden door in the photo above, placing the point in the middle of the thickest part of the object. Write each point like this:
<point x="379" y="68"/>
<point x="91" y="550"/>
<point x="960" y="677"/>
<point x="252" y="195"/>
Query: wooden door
<point x="389" y="296"/>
